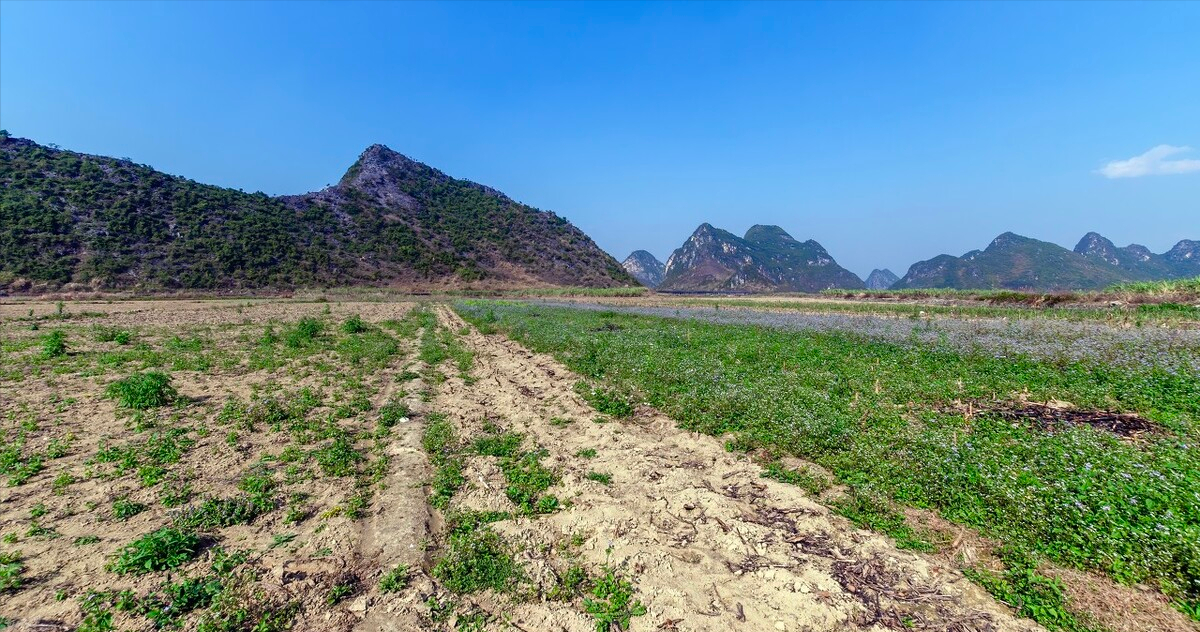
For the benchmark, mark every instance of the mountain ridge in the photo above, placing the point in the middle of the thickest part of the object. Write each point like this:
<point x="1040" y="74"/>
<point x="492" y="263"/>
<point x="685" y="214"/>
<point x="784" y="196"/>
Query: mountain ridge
<point x="84" y="221"/>
<point x="766" y="259"/>
<point x="1015" y="262"/>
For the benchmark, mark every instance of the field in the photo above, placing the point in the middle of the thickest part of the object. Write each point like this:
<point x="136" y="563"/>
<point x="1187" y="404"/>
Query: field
<point x="605" y="463"/>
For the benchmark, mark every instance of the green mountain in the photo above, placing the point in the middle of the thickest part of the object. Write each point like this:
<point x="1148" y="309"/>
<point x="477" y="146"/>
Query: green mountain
<point x="1138" y="263"/>
<point x="71" y="220"/>
<point x="1021" y="263"/>
<point x="767" y="259"/>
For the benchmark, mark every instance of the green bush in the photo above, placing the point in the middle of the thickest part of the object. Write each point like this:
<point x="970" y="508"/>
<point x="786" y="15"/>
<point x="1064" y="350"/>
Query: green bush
<point x="54" y="344"/>
<point x="303" y="333"/>
<point x="124" y="509"/>
<point x="354" y="325"/>
<point x="142" y="391"/>
<point x="527" y="478"/>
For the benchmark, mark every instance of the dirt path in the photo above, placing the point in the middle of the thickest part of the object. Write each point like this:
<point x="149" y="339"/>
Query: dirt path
<point x="709" y="544"/>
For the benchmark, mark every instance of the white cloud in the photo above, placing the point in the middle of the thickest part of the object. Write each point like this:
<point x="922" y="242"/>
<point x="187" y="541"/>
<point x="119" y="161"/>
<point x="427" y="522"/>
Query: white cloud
<point x="1151" y="163"/>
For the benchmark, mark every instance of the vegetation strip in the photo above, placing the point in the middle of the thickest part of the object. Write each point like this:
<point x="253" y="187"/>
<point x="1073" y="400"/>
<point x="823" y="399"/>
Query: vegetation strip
<point x="875" y="414"/>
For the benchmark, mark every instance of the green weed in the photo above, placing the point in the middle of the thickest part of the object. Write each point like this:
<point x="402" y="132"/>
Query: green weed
<point x="161" y="550"/>
<point x="395" y="580"/>
<point x="142" y="391"/>
<point x="612" y="603"/>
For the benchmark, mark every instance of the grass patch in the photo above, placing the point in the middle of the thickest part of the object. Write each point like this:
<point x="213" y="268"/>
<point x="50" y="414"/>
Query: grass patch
<point x="1032" y="594"/>
<point x="477" y="560"/>
<point x="604" y="400"/>
<point x="527" y="479"/>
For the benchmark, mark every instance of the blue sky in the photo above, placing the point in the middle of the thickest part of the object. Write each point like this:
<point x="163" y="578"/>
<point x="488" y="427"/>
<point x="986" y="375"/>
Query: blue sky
<point x="888" y="132"/>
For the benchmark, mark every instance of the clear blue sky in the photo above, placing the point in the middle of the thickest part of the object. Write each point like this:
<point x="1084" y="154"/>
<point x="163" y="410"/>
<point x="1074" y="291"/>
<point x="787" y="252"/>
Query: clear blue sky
<point x="888" y="132"/>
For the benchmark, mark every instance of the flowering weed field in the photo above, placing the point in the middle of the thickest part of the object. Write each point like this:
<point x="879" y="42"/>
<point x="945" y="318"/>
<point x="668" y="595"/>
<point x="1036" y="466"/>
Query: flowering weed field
<point x="914" y="415"/>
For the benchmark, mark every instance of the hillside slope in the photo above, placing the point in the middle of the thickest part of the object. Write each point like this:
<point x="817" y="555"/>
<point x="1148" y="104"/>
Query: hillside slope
<point x="76" y="220"/>
<point x="766" y="259"/>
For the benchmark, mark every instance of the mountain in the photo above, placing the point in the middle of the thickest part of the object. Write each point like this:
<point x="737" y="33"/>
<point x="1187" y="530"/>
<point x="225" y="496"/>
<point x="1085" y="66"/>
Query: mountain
<point x="1139" y="263"/>
<point x="766" y="259"/>
<point x="881" y="279"/>
<point x="644" y="267"/>
<point x="77" y="220"/>
<point x="1021" y="263"/>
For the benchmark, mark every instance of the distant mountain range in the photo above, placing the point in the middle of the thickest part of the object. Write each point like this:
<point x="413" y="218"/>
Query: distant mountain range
<point x="80" y="221"/>
<point x="77" y="221"/>
<point x="765" y="259"/>
<point x="644" y="267"/>
<point x="1021" y="263"/>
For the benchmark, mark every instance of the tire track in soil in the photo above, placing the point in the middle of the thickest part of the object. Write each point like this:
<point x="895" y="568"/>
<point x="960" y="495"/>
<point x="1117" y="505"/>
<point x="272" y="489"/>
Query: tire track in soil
<point x="708" y="543"/>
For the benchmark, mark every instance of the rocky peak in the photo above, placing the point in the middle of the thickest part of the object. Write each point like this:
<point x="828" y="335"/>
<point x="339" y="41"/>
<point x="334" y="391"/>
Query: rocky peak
<point x="881" y="279"/>
<point x="644" y="267"/>
<point x="1185" y="250"/>
<point x="1139" y="252"/>
<point x="1007" y="239"/>
<point x="1094" y="244"/>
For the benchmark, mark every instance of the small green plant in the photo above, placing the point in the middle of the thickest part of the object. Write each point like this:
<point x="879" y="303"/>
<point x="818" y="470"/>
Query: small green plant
<point x="11" y="569"/>
<point x="502" y="445"/>
<point x="559" y="422"/>
<point x="124" y="509"/>
<point x="395" y="580"/>
<point x="303" y="333"/>
<point x="868" y="511"/>
<point x="354" y="325"/>
<point x="160" y="550"/>
<point x="85" y="540"/>
<point x="339" y="458"/>
<point x="62" y="482"/>
<point x="142" y="391"/>
<point x="599" y="477"/>
<point x="344" y="588"/>
<point x="393" y="412"/>
<point x="612" y="603"/>
<point x="54" y="344"/>
<point x="571" y="583"/>
<point x="586" y="453"/>
<point x="215" y="513"/>
<point x="809" y="482"/>
<point x="527" y="478"/>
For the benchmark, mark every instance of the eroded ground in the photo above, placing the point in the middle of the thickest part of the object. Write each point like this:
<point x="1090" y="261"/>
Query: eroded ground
<point x="385" y="466"/>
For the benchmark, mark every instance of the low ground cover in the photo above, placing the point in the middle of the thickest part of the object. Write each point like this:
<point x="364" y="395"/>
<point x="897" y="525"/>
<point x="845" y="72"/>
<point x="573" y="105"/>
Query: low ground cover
<point x="909" y="422"/>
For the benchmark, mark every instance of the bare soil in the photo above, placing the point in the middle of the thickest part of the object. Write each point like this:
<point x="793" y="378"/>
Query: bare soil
<point x="708" y="543"/>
